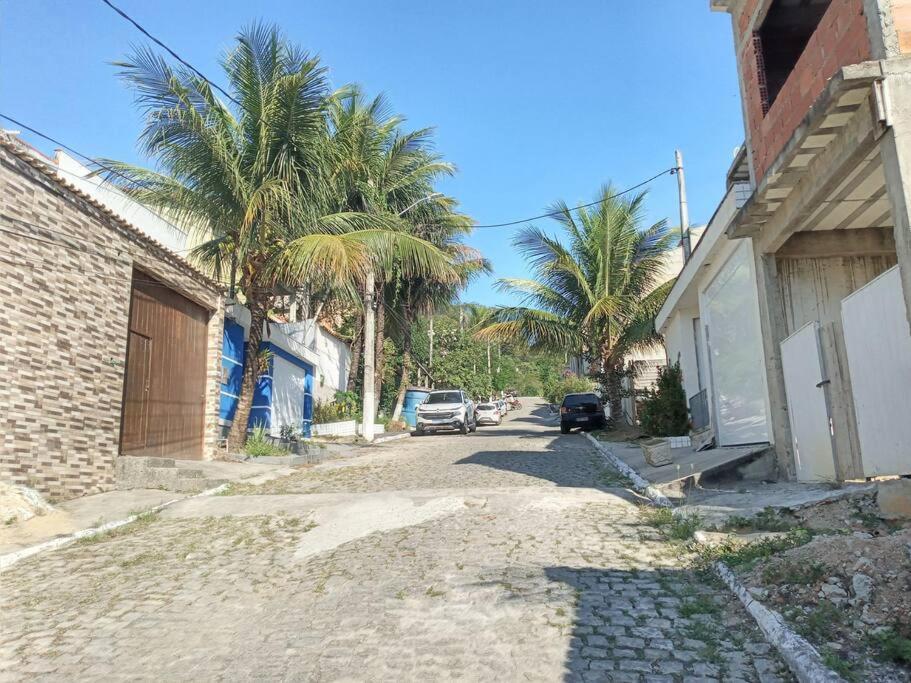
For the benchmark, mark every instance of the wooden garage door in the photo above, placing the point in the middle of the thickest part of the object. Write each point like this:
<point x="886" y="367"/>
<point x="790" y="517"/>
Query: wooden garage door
<point x="165" y="378"/>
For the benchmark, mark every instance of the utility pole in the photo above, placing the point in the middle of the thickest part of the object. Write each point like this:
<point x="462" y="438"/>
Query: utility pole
<point x="430" y="334"/>
<point x="369" y="390"/>
<point x="488" y="358"/>
<point x="369" y="354"/>
<point x="684" y="209"/>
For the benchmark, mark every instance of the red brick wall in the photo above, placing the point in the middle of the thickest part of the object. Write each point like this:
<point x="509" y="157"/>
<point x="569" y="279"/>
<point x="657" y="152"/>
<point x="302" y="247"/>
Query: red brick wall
<point x="840" y="39"/>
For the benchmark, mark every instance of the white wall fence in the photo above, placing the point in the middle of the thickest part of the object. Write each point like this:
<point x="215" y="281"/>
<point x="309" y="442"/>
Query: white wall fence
<point x="343" y="428"/>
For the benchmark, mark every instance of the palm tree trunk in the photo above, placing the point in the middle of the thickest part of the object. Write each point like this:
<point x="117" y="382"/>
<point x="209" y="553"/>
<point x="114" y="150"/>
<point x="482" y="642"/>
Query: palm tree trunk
<point x="257" y="303"/>
<point x="354" y="366"/>
<point x="380" y="338"/>
<point x="406" y="365"/>
<point x="613" y="375"/>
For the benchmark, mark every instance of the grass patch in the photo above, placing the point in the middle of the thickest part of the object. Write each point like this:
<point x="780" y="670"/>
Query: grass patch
<point x="143" y="519"/>
<point x="893" y="646"/>
<point x="749" y="555"/>
<point x="821" y="621"/>
<point x="793" y="573"/>
<point x="843" y="667"/>
<point x="769" y="519"/>
<point x="699" y="605"/>
<point x="678" y="528"/>
<point x="259" y="445"/>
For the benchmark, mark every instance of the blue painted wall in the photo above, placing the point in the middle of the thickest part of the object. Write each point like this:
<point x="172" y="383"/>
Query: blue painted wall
<point x="232" y="364"/>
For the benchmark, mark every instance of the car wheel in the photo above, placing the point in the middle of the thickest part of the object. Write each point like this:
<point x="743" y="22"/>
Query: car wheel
<point x="464" y="428"/>
<point x="418" y="431"/>
<point x="564" y="429"/>
<point x="474" y="426"/>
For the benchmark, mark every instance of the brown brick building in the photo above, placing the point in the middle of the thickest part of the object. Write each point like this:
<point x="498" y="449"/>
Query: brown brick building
<point x="109" y="343"/>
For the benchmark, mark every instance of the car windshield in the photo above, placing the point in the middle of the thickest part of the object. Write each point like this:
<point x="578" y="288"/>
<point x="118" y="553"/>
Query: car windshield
<point x="486" y="406"/>
<point x="444" y="397"/>
<point x="574" y="400"/>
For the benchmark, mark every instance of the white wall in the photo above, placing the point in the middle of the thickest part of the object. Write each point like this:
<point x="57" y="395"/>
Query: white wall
<point x="680" y="343"/>
<point x="156" y="227"/>
<point x="332" y="357"/>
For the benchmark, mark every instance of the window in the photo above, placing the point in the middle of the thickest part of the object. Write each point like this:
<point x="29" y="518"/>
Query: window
<point x="781" y="40"/>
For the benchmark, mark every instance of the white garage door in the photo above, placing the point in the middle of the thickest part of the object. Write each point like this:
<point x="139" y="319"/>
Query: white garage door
<point x="289" y="383"/>
<point x="730" y="313"/>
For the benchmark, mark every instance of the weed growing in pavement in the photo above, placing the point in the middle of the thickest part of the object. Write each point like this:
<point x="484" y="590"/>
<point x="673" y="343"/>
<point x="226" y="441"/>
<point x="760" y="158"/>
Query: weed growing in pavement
<point x="434" y="593"/>
<point x="843" y="667"/>
<point x="143" y="519"/>
<point x="700" y="605"/>
<point x="769" y="519"/>
<point x="747" y="556"/>
<point x="675" y="527"/>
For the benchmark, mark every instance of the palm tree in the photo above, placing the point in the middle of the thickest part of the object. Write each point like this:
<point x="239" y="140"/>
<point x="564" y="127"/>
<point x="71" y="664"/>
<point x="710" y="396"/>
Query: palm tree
<point x="596" y="295"/>
<point x="421" y="295"/>
<point x="254" y="179"/>
<point x="384" y="171"/>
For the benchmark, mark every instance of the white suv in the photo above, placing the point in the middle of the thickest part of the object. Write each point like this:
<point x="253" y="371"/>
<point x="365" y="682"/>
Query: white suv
<point x="446" y="409"/>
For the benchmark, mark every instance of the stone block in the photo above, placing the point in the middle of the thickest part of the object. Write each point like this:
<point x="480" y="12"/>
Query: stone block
<point x="657" y="452"/>
<point x="893" y="499"/>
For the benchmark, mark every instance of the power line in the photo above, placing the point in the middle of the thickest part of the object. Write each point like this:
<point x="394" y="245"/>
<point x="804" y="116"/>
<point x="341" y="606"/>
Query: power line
<point x="66" y="147"/>
<point x="169" y="50"/>
<point x="668" y="171"/>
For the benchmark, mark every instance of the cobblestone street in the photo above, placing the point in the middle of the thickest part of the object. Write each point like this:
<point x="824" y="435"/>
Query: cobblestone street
<point x="509" y="554"/>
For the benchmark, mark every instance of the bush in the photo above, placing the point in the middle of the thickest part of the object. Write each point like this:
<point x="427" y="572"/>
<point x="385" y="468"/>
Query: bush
<point x="259" y="445"/>
<point x="664" y="411"/>
<point x="554" y="391"/>
<point x="344" y="407"/>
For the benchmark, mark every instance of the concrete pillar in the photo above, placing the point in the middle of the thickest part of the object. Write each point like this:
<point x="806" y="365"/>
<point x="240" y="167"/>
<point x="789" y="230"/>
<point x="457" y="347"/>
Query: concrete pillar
<point x="774" y="329"/>
<point x="881" y="29"/>
<point x="895" y="150"/>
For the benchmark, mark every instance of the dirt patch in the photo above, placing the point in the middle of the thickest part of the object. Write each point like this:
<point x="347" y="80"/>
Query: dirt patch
<point x="849" y="594"/>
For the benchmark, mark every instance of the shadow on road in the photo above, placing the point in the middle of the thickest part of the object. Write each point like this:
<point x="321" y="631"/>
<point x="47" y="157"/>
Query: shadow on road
<point x="608" y="626"/>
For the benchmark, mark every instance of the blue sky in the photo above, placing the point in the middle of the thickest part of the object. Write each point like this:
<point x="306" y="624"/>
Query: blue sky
<point x="533" y="101"/>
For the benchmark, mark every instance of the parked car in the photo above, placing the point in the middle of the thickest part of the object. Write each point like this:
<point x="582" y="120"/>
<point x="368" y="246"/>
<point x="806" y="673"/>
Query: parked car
<point x="488" y="414"/>
<point x="446" y="409"/>
<point x="581" y="410"/>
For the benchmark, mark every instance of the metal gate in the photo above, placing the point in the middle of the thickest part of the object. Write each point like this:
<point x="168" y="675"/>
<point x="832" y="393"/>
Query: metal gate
<point x="811" y="426"/>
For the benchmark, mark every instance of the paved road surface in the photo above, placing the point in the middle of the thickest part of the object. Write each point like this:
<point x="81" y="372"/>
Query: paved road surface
<point x="510" y="554"/>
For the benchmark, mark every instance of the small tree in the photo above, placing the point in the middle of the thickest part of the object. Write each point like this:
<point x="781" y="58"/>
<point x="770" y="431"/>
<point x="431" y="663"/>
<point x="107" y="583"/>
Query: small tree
<point x="664" y="410"/>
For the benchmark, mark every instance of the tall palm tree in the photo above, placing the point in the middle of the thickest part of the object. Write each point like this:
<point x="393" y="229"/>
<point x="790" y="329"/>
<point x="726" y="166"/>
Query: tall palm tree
<point x="254" y="178"/>
<point x="384" y="171"/>
<point x="597" y="294"/>
<point x="420" y="295"/>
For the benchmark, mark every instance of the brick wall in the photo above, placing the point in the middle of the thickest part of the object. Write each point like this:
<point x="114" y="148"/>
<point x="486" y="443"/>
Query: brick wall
<point x="63" y="315"/>
<point x="840" y="39"/>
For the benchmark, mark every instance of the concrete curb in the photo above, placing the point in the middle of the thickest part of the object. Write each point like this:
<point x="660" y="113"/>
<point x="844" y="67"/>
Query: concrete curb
<point x="8" y="560"/>
<point x="801" y="657"/>
<point x="641" y="484"/>
<point x="392" y="437"/>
